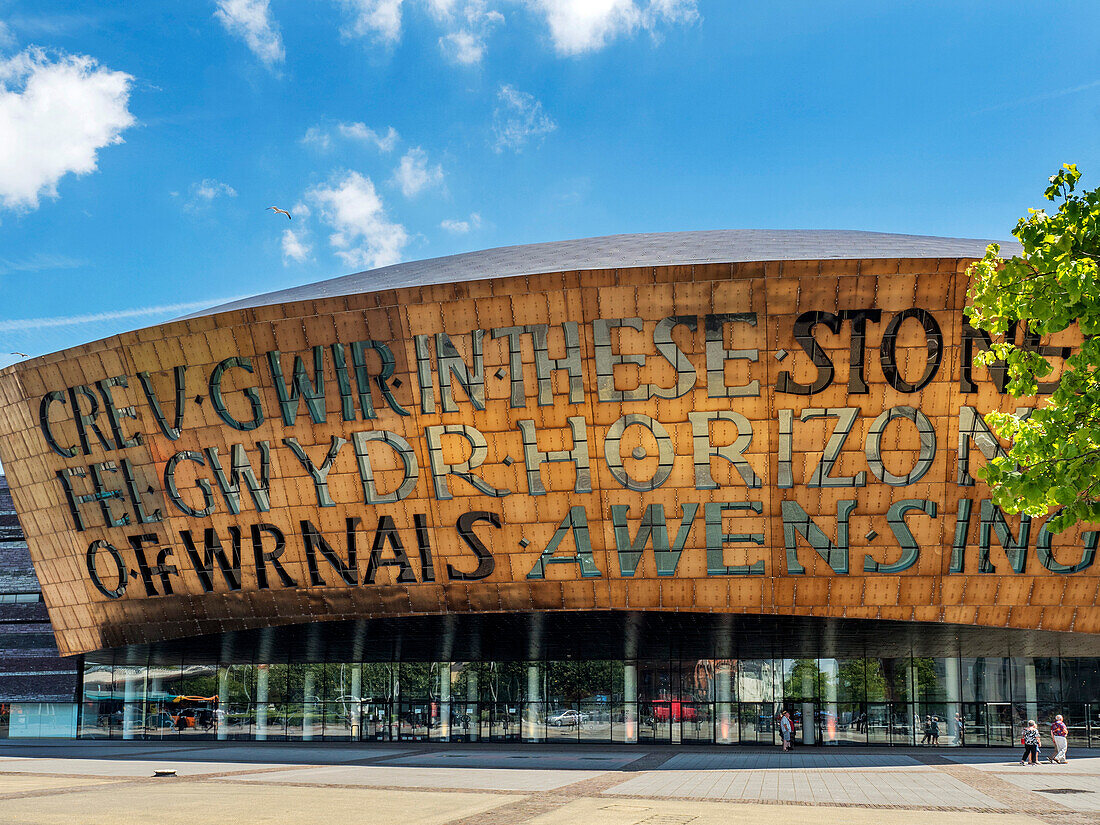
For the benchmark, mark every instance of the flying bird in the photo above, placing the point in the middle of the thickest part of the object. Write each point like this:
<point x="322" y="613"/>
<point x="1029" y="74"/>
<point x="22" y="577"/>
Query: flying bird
<point x="21" y="354"/>
<point x="279" y="211"/>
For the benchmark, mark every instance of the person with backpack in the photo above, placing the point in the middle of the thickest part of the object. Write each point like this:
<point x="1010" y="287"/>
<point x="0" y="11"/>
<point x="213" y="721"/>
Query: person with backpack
<point x="1059" y="734"/>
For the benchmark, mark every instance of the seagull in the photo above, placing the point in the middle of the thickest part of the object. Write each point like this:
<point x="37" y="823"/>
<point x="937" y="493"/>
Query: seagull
<point x="21" y="354"/>
<point x="279" y="211"/>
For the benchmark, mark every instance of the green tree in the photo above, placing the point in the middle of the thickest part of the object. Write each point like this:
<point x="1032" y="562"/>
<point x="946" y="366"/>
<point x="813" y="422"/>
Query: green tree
<point x="1054" y="461"/>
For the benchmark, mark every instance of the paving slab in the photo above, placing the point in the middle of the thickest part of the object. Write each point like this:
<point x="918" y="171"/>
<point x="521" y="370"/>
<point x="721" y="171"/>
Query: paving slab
<point x="26" y="783"/>
<point x="814" y="760"/>
<point x="595" y="811"/>
<point x="531" y="759"/>
<point x="1079" y="792"/>
<point x="923" y="787"/>
<point x="318" y="755"/>
<point x="1002" y="761"/>
<point x="190" y="802"/>
<point x="405" y="777"/>
<point x="124" y="767"/>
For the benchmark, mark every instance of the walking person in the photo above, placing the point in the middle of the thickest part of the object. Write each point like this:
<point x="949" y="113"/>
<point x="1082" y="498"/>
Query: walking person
<point x="936" y="731"/>
<point x="960" y="727"/>
<point x="1031" y="743"/>
<point x="785" y="730"/>
<point x="1059" y="734"/>
<point x="927" y="740"/>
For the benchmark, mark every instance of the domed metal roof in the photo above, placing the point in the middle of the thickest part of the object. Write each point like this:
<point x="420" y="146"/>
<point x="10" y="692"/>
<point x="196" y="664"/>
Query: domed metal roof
<point x="621" y="251"/>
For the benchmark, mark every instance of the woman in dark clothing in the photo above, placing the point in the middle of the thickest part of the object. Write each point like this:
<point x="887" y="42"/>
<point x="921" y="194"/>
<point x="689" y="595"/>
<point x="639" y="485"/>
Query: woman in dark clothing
<point x="1031" y="745"/>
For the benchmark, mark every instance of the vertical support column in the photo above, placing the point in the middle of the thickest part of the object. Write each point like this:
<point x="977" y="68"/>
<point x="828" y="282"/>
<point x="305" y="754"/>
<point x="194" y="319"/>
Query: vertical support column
<point x="630" y="702"/>
<point x="808" y="722"/>
<point x="130" y="698"/>
<point x="308" y="691"/>
<point x="953" y="691"/>
<point x="532" y="730"/>
<point x="723" y="673"/>
<point x="445" y="701"/>
<point x="830" y="675"/>
<point x="356" y="723"/>
<point x="913" y="684"/>
<point x="261" y="701"/>
<point x="153" y="692"/>
<point x="473" y="710"/>
<point x="1031" y="690"/>
<point x="221" y="712"/>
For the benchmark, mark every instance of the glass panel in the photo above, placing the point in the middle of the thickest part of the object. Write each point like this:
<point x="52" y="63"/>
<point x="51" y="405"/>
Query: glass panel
<point x="595" y="722"/>
<point x="655" y="721"/>
<point x="439" y="727"/>
<point x="935" y="731"/>
<point x="413" y="722"/>
<point x="755" y="678"/>
<point x="241" y="720"/>
<point x="800" y="679"/>
<point x="101" y="719"/>
<point x="374" y="722"/>
<point x="1000" y="724"/>
<point x="847" y="724"/>
<point x="563" y="722"/>
<point x="986" y="680"/>
<point x="503" y="721"/>
<point x="758" y="723"/>
<point x="1075" y="717"/>
<point x="415" y="681"/>
<point x="877" y="725"/>
<point x="624" y="722"/>
<point x="1080" y="680"/>
<point x="974" y="731"/>
<point x="697" y="723"/>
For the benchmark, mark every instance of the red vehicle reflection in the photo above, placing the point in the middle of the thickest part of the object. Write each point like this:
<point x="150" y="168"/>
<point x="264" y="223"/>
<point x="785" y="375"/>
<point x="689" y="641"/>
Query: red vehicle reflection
<point x="674" y="708"/>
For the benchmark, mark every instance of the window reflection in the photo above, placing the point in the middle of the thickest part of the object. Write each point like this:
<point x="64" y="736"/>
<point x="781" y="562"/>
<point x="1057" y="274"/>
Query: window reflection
<point x="925" y="701"/>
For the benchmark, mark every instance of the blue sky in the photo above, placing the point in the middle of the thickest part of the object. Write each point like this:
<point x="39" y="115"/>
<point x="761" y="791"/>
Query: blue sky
<point x="141" y="143"/>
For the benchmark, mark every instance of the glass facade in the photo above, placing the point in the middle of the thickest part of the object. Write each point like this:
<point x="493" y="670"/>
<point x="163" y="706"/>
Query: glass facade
<point x="938" y="702"/>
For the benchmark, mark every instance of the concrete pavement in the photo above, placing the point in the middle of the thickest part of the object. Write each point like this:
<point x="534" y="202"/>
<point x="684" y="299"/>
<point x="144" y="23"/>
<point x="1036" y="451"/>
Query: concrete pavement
<point x="46" y="782"/>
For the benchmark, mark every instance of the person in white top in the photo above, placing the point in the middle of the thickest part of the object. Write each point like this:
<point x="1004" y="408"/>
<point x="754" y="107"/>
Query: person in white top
<point x="1059" y="734"/>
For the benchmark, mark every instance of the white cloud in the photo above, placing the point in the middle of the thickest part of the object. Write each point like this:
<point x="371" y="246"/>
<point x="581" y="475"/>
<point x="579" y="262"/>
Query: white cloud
<point x="465" y="45"/>
<point x="462" y="47"/>
<point x="363" y="235"/>
<point x="457" y="227"/>
<point x="414" y="175"/>
<point x="518" y="118"/>
<point x="202" y="194"/>
<point x="441" y="9"/>
<point x="379" y="19"/>
<point x="578" y="26"/>
<point x="6" y="37"/>
<point x="321" y="138"/>
<point x="55" y="114"/>
<point x="251" y="21"/>
<point x="294" y="247"/>
<point x="210" y="189"/>
<point x="359" y="131"/>
<point x="17" y="324"/>
<point x="316" y="136"/>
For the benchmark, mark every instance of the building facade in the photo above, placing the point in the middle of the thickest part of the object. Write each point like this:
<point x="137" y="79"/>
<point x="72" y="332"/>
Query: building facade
<point x="637" y="488"/>
<point x="38" y="689"/>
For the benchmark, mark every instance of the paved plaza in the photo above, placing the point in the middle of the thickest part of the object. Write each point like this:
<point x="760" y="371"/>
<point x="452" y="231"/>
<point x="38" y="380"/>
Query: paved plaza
<point x="112" y="783"/>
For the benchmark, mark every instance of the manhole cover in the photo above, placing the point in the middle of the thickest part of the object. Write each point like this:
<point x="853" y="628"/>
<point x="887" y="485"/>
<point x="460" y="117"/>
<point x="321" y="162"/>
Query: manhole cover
<point x="1062" y="790"/>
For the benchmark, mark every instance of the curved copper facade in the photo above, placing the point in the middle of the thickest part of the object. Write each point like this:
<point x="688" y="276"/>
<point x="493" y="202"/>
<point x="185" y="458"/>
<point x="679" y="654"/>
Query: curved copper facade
<point x="575" y="441"/>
